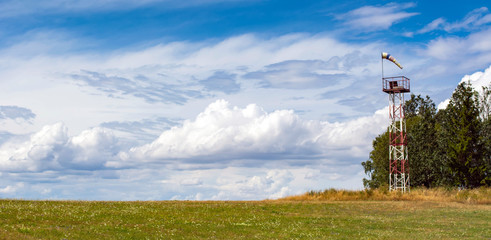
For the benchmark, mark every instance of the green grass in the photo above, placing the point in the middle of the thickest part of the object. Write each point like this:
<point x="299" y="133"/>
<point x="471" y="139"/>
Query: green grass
<point x="279" y="219"/>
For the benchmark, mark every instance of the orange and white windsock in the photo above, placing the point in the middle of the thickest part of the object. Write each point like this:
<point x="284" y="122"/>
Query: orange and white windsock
<point x="390" y="58"/>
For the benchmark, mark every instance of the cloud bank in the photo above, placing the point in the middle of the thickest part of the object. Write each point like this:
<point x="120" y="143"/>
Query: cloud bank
<point x="222" y="134"/>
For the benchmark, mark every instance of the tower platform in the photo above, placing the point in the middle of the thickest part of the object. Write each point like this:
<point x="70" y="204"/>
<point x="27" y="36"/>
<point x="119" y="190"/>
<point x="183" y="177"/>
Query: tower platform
<point x="398" y="84"/>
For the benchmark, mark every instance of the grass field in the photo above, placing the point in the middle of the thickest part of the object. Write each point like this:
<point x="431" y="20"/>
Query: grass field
<point x="276" y="219"/>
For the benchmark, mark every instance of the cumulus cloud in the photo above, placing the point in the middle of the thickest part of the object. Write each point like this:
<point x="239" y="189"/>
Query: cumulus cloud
<point x="39" y="152"/>
<point x="373" y="18"/>
<point x="52" y="149"/>
<point x="90" y="149"/>
<point x="477" y="80"/>
<point x="224" y="133"/>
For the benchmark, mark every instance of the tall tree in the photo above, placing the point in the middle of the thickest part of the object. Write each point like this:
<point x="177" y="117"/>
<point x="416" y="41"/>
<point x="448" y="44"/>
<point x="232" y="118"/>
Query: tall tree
<point x="485" y="136"/>
<point x="422" y="139"/>
<point x="459" y="136"/>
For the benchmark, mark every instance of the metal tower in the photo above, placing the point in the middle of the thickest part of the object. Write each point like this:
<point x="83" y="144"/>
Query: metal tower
<point x="398" y="155"/>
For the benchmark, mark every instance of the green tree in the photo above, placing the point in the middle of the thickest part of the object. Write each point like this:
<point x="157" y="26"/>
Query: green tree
<point x="377" y="166"/>
<point x="459" y="137"/>
<point x="485" y="136"/>
<point x="486" y="144"/>
<point x="422" y="139"/>
<point x="485" y="103"/>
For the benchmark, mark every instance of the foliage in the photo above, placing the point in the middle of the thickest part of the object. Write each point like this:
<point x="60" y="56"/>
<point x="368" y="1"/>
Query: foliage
<point x="485" y="135"/>
<point x="377" y="167"/>
<point x="421" y="141"/>
<point x="485" y="103"/>
<point x="460" y="138"/>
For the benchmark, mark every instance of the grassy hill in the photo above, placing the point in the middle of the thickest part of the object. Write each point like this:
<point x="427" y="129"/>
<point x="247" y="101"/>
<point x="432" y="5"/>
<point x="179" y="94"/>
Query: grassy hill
<point x="290" y="218"/>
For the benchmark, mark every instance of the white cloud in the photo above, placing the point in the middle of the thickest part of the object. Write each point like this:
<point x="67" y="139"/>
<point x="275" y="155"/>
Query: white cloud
<point x="191" y="182"/>
<point x="444" y="104"/>
<point x="90" y="149"/>
<point x="474" y="19"/>
<point x="273" y="184"/>
<point x="297" y="74"/>
<point x="372" y="18"/>
<point x="457" y="54"/>
<point x="38" y="153"/>
<point x="435" y="24"/>
<point x="478" y="80"/>
<point x="224" y="133"/>
<point x="10" y="189"/>
<point x="52" y="149"/>
<point x="15" y="112"/>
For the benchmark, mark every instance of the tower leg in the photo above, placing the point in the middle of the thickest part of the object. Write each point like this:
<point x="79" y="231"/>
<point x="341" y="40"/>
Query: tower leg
<point x="398" y="155"/>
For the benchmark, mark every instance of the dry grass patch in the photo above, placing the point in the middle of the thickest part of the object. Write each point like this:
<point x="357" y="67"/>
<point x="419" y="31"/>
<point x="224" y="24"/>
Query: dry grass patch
<point x="472" y="196"/>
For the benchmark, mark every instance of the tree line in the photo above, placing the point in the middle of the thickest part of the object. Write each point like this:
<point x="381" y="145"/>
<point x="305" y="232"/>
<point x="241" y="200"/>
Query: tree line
<point x="449" y="147"/>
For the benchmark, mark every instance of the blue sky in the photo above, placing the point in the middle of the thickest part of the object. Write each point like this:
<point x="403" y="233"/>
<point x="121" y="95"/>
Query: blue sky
<point x="214" y="99"/>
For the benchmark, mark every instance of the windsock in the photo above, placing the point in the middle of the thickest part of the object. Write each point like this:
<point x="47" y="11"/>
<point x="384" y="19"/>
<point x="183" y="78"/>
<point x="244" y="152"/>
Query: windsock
<point x="390" y="58"/>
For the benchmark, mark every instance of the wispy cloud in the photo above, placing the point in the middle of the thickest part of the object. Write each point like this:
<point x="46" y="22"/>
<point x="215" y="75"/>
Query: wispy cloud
<point x="475" y="48"/>
<point x="435" y="24"/>
<point x="15" y="112"/>
<point x="373" y="18"/>
<point x="476" y="18"/>
<point x="142" y="131"/>
<point x="221" y="81"/>
<point x="151" y="90"/>
<point x="298" y="74"/>
<point x="12" y="8"/>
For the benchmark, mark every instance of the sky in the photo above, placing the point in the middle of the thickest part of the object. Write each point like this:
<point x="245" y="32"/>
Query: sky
<point x="215" y="99"/>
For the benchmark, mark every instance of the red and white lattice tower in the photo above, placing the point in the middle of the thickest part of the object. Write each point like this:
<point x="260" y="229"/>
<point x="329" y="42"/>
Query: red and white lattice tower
<point x="398" y="155"/>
